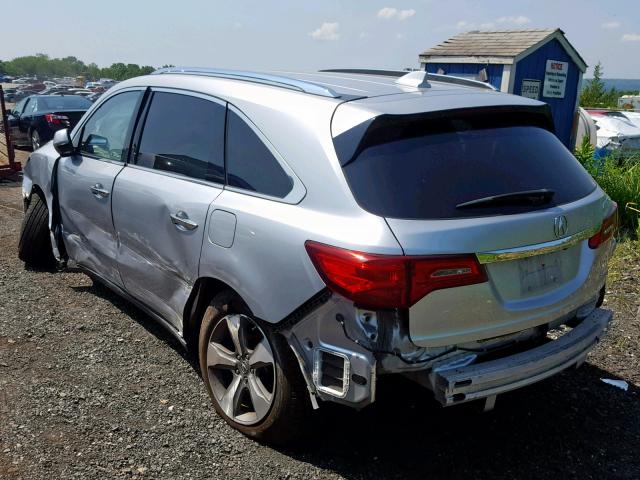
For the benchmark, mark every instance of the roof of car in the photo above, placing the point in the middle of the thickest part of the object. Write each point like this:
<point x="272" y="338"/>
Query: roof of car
<point x="342" y="84"/>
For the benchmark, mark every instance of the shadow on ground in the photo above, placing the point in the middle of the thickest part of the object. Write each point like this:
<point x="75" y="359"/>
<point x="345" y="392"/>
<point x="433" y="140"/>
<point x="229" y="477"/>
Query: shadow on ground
<point x="559" y="427"/>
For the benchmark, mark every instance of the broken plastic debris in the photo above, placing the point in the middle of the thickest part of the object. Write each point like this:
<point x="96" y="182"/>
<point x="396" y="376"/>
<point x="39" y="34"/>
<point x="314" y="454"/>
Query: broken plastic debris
<point x="621" y="384"/>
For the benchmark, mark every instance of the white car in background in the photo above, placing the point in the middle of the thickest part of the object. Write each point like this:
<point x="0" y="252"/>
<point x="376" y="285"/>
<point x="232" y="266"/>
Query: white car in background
<point x="617" y="130"/>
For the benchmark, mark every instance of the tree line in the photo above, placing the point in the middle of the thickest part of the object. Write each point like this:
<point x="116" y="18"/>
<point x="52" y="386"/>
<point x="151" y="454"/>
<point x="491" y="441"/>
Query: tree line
<point x="43" y="66"/>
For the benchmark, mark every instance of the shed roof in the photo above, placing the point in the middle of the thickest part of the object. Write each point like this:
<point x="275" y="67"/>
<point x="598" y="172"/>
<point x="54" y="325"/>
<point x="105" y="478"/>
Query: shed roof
<point x="508" y="44"/>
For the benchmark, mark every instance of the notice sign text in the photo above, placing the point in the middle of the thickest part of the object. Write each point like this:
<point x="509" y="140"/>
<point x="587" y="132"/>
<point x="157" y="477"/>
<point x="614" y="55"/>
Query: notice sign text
<point x="555" y="79"/>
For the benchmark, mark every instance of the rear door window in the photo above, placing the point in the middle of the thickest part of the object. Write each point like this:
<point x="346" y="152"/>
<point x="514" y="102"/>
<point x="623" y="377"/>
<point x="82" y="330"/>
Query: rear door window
<point x="421" y="168"/>
<point x="184" y="134"/>
<point x="250" y="163"/>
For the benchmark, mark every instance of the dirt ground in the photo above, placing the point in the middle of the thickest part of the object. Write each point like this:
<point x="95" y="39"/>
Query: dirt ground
<point x="91" y="388"/>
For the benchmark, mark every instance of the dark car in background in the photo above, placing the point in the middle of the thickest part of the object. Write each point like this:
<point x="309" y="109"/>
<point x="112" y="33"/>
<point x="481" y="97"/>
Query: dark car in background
<point x="9" y="93"/>
<point x="35" y="119"/>
<point x="18" y="95"/>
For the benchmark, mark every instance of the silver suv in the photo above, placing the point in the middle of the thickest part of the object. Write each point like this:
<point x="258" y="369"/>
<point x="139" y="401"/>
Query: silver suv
<point x="306" y="233"/>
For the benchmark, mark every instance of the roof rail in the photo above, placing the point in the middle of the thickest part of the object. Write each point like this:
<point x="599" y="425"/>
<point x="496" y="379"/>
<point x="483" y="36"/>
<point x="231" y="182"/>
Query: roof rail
<point x="255" y="77"/>
<point x="411" y="78"/>
<point x="467" y="82"/>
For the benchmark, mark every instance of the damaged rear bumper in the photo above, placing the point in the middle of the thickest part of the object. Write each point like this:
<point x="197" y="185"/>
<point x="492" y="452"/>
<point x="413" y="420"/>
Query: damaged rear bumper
<point x="487" y="379"/>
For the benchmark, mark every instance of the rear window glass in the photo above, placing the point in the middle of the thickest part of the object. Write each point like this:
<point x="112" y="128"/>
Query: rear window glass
<point x="62" y="102"/>
<point x="250" y="163"/>
<point x="425" y="170"/>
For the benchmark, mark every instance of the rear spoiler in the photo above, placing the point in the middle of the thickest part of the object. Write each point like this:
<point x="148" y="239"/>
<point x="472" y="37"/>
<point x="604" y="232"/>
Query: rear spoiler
<point x="388" y="128"/>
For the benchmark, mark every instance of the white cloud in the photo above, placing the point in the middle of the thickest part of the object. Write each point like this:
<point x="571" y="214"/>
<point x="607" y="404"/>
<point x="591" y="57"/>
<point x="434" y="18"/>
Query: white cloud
<point x="237" y="25"/>
<point x="631" y="37"/>
<point x="611" y="25"/>
<point x="400" y="36"/>
<point x="363" y="35"/>
<point x="327" y="31"/>
<point x="514" y="20"/>
<point x="387" y="13"/>
<point x="404" y="14"/>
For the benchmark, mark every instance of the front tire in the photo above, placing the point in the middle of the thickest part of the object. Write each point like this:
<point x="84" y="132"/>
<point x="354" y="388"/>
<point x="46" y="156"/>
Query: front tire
<point x="250" y="373"/>
<point x="34" y="247"/>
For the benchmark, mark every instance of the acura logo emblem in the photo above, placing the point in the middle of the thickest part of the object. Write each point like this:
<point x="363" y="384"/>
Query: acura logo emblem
<point x="560" y="226"/>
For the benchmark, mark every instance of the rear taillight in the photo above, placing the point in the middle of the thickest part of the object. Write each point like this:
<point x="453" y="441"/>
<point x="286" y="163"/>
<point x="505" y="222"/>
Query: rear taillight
<point x="391" y="281"/>
<point x="607" y="230"/>
<point x="55" y="119"/>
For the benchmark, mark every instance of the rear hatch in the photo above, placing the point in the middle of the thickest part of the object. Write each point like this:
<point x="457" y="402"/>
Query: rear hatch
<point x="493" y="181"/>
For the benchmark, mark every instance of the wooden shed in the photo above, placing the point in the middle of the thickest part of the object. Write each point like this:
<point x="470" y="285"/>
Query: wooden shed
<point x="534" y="63"/>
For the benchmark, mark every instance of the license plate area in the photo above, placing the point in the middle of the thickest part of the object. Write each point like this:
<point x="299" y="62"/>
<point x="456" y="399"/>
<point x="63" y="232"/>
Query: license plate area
<point x="540" y="273"/>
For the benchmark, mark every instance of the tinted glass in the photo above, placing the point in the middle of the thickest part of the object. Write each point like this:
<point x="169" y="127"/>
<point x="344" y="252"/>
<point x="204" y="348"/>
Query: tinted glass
<point x="426" y="176"/>
<point x="185" y="135"/>
<point x="31" y="106"/>
<point x="250" y="164"/>
<point x="17" y="110"/>
<point x="105" y="133"/>
<point x="63" y="102"/>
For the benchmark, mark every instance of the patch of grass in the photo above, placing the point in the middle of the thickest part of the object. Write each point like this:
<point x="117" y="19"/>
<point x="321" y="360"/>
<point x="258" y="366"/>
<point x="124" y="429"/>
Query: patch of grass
<point x="619" y="177"/>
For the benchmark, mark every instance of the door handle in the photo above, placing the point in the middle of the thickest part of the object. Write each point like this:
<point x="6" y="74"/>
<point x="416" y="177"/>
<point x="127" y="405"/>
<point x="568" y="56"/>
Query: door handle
<point x="99" y="191"/>
<point x="182" y="222"/>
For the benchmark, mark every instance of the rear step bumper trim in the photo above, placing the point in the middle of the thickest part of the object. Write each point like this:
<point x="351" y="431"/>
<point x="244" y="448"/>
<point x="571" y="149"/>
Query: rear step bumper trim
<point x="537" y="249"/>
<point x="483" y="380"/>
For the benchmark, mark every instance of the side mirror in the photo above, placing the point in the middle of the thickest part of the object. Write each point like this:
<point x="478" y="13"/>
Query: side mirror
<point x="62" y="143"/>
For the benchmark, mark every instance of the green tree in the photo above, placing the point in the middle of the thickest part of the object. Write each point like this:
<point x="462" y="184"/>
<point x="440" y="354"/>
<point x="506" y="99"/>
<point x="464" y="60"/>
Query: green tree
<point x="42" y="66"/>
<point x="594" y="91"/>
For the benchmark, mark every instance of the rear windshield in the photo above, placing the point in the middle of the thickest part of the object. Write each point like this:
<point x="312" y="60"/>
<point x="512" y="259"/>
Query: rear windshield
<point x="61" y="102"/>
<point x="424" y="168"/>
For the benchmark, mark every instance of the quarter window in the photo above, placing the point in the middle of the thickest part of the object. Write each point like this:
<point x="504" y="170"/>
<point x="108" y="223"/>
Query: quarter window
<point x="184" y="134"/>
<point x="105" y="133"/>
<point x="250" y="163"/>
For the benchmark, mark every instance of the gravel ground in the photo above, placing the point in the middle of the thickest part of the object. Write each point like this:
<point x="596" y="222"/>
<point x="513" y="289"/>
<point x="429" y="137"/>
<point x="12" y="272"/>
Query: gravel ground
<point x="90" y="388"/>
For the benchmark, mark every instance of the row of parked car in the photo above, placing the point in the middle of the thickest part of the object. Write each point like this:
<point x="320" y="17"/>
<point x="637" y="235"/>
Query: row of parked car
<point x="44" y="107"/>
<point x="16" y="94"/>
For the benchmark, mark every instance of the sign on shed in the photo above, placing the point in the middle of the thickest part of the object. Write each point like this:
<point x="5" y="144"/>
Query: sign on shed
<point x="555" y="79"/>
<point x="530" y="88"/>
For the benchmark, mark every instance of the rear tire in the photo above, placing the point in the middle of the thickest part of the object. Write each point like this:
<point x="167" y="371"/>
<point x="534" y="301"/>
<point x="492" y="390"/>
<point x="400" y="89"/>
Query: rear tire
<point x="34" y="247"/>
<point x="289" y="406"/>
<point x="35" y="140"/>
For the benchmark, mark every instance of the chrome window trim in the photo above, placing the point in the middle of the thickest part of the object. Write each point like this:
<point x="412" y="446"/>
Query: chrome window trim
<point x="190" y="93"/>
<point x="298" y="190"/>
<point x="537" y="249"/>
<point x="178" y="176"/>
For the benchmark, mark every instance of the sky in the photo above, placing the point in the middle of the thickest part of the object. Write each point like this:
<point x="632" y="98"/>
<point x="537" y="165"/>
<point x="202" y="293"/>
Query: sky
<point x="253" y="34"/>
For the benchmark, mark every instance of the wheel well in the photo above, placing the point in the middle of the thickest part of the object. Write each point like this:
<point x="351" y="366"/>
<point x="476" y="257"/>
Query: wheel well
<point x="203" y="291"/>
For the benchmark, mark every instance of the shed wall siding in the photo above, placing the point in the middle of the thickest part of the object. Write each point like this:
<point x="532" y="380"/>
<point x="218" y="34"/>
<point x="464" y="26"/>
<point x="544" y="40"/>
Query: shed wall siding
<point x="493" y="71"/>
<point x="533" y="67"/>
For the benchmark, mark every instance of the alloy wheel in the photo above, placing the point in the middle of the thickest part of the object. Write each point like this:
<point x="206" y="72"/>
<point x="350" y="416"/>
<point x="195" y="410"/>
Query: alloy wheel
<point x="241" y="369"/>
